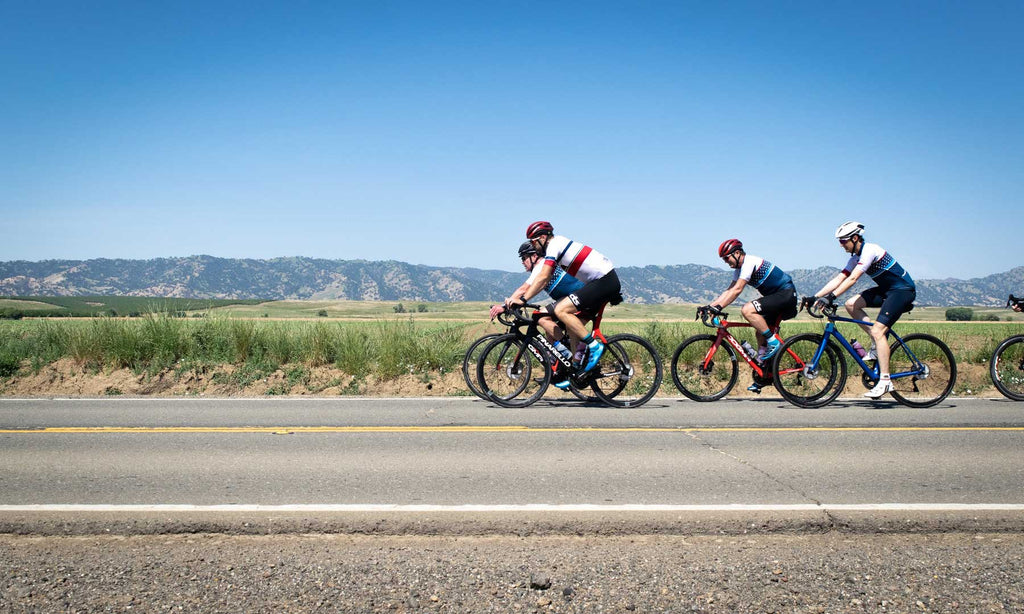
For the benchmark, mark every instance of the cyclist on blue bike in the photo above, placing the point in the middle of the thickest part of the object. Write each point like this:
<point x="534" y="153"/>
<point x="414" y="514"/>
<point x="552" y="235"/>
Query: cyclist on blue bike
<point x="778" y="296"/>
<point x="894" y="295"/>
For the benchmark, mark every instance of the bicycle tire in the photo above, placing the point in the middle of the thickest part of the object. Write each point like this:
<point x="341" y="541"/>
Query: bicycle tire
<point x="469" y="363"/>
<point x="1007" y="368"/>
<point x="804" y="388"/>
<point x="700" y="383"/>
<point x="629" y="372"/>
<point x="938" y="380"/>
<point x="507" y="369"/>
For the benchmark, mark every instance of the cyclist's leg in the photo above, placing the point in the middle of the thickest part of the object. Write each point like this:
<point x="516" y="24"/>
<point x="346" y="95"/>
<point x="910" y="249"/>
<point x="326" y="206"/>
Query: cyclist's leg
<point x="895" y="304"/>
<point x="565" y="311"/>
<point x="757" y="320"/>
<point x="769" y="309"/>
<point x="856" y="304"/>
<point x="588" y="298"/>
<point x="550" y="325"/>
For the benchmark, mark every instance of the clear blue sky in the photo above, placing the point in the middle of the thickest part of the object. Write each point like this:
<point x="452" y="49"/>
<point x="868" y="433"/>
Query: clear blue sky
<point x="434" y="132"/>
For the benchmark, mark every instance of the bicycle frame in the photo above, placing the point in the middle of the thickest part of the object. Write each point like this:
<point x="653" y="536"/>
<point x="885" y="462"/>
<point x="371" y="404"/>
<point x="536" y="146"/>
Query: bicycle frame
<point x="722" y="323"/>
<point x="832" y="332"/>
<point x="553" y="358"/>
<point x="723" y="334"/>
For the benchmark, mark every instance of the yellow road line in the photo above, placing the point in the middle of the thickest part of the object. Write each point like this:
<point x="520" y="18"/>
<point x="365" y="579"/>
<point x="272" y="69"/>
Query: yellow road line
<point x="491" y="429"/>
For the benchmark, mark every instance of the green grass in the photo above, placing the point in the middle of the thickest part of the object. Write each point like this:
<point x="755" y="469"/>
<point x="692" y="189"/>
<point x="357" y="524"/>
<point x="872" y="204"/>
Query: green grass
<point x="158" y="342"/>
<point x="368" y="340"/>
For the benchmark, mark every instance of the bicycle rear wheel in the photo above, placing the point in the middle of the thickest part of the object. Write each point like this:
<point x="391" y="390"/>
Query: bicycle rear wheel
<point x="469" y="363"/>
<point x="800" y="384"/>
<point x="703" y="375"/>
<point x="1007" y="368"/>
<point x="510" y="374"/>
<point x="934" y="370"/>
<point x="629" y="372"/>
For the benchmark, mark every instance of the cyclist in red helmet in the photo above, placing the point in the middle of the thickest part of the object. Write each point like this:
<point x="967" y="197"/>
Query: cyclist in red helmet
<point x="600" y="283"/>
<point x="560" y="286"/>
<point x="778" y="295"/>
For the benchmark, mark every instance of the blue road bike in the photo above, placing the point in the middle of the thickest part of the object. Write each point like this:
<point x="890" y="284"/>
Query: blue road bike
<point x="810" y="370"/>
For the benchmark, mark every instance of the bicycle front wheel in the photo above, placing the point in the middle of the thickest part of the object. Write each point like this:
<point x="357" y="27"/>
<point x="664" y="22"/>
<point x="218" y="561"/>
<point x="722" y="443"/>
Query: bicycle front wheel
<point x="1007" y="368"/>
<point x="702" y="371"/>
<point x="800" y="383"/>
<point x="932" y="368"/>
<point x="629" y="372"/>
<point x="510" y="373"/>
<point x="469" y="363"/>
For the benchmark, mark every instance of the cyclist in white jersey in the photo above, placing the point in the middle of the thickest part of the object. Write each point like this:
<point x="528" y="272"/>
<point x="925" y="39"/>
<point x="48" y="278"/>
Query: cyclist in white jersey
<point x="894" y="295"/>
<point x="600" y="283"/>
<point x="559" y="286"/>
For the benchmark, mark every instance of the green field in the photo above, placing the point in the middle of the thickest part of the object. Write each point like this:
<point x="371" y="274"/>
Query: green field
<point x="372" y="310"/>
<point x="89" y="306"/>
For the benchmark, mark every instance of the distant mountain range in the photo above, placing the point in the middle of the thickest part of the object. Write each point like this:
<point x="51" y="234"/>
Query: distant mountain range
<point x="317" y="279"/>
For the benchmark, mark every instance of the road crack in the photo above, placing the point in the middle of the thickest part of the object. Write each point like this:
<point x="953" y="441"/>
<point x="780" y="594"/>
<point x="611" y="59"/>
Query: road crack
<point x="746" y="463"/>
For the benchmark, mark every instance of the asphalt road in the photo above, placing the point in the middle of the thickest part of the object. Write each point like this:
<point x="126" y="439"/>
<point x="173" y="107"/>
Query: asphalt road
<point x="451" y="505"/>
<point x="434" y="464"/>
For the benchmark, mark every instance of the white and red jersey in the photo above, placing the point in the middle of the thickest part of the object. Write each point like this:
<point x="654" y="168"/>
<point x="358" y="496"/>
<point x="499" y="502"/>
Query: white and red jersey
<point x="576" y="259"/>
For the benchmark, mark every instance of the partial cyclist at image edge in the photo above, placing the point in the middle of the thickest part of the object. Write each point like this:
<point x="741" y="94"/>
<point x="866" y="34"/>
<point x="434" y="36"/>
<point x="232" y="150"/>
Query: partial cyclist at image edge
<point x="1006" y="367"/>
<point x="777" y="302"/>
<point x="600" y="284"/>
<point x="894" y="295"/>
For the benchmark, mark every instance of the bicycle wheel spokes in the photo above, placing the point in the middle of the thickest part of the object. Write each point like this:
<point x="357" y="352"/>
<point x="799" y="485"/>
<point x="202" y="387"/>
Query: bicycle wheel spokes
<point x="1007" y="368"/>
<point x="799" y="382"/>
<point x="509" y="374"/>
<point x="703" y="375"/>
<point x="629" y="372"/>
<point x="931" y="366"/>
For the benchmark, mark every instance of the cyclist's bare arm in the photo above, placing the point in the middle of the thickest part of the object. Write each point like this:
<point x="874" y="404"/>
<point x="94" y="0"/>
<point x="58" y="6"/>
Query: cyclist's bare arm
<point x="840" y="283"/>
<point x="518" y="292"/>
<point x="538" y="284"/>
<point x="730" y="294"/>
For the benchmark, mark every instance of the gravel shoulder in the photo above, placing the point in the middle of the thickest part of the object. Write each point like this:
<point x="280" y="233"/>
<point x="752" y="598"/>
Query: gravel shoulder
<point x="831" y="572"/>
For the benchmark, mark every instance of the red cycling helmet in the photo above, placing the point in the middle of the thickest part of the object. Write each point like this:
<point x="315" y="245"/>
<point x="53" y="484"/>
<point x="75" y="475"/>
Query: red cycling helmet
<point x="537" y="229"/>
<point x="729" y="246"/>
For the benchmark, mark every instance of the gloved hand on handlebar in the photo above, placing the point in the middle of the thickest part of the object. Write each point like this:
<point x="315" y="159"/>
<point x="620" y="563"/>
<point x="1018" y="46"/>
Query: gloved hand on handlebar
<point x="497" y="310"/>
<point x="807" y="302"/>
<point x="824" y="301"/>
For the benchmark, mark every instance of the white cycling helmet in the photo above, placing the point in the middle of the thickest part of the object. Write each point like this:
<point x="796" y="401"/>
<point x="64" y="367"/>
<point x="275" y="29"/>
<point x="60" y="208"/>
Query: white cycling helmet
<point x="849" y="229"/>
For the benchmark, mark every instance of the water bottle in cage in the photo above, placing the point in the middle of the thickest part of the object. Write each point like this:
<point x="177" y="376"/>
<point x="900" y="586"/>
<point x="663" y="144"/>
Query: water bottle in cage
<point x="859" y="348"/>
<point x="749" y="349"/>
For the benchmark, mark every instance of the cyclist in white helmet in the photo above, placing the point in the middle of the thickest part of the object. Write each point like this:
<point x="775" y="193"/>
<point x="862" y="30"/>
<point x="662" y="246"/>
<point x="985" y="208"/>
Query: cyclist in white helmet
<point x="894" y="295"/>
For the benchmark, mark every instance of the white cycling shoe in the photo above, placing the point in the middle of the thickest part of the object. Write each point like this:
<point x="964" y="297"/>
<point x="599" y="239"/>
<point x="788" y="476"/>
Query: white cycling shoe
<point x="882" y="388"/>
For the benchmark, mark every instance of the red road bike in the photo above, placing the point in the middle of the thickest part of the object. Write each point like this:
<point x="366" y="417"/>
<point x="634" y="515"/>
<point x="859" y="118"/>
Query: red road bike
<point x="705" y="367"/>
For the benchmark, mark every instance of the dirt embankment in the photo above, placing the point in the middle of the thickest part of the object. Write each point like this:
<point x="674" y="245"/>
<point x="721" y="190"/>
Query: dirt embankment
<point x="65" y="378"/>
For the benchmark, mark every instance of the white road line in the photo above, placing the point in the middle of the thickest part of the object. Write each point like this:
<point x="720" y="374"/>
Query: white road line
<point x="532" y="507"/>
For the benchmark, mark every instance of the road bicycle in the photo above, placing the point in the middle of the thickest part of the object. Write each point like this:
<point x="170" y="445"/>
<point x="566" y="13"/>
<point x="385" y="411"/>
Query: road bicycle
<point x="515" y="369"/>
<point x="810" y="369"/>
<point x="472" y="357"/>
<point x="1007" y="364"/>
<point x="705" y="368"/>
